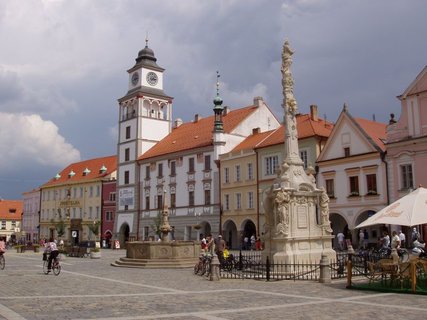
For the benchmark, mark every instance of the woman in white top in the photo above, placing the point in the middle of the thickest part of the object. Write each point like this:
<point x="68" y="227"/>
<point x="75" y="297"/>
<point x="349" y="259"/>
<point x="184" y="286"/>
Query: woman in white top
<point x="53" y="250"/>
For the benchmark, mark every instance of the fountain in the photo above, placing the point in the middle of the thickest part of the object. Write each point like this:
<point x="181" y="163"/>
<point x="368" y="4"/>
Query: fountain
<point x="163" y="253"/>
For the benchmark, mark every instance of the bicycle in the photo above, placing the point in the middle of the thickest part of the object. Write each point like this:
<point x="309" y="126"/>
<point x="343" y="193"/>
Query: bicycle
<point x="56" y="266"/>
<point x="2" y="261"/>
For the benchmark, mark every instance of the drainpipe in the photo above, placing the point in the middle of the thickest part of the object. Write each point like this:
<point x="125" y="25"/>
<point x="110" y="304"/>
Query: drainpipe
<point x="257" y="193"/>
<point x="383" y="154"/>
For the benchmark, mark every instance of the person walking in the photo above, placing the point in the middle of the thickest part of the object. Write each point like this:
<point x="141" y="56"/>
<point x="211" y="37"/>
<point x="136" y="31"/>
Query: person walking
<point x="361" y="240"/>
<point x="395" y="240"/>
<point x="340" y="238"/>
<point x="402" y="238"/>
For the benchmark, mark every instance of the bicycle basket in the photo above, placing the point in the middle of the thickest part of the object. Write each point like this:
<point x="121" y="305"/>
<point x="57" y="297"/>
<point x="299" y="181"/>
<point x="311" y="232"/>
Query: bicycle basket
<point x="44" y="256"/>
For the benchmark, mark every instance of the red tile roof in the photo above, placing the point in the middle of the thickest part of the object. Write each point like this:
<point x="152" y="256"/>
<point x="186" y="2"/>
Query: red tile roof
<point x="198" y="134"/>
<point x="375" y="130"/>
<point x="93" y="165"/>
<point x="306" y="128"/>
<point x="11" y="209"/>
<point x="253" y="140"/>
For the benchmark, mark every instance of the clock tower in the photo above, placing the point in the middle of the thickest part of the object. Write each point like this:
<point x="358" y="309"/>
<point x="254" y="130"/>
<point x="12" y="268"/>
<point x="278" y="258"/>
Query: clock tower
<point x="145" y="117"/>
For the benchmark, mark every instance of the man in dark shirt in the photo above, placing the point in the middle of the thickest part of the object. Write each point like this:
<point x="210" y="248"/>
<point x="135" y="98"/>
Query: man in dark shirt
<point x="219" y="248"/>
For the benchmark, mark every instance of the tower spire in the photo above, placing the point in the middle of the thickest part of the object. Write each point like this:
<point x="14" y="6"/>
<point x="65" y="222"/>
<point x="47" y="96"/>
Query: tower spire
<point x="218" y="108"/>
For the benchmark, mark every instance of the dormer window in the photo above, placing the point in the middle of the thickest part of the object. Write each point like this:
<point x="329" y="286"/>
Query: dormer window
<point x="57" y="176"/>
<point x="71" y="174"/>
<point x="86" y="172"/>
<point x="103" y="169"/>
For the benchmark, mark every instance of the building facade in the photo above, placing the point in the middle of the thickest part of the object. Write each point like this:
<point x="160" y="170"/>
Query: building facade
<point x="108" y="212"/>
<point x="145" y="117"/>
<point x="353" y="172"/>
<point x="71" y="202"/>
<point x="31" y="215"/>
<point x="158" y="163"/>
<point x="407" y="143"/>
<point x="10" y="220"/>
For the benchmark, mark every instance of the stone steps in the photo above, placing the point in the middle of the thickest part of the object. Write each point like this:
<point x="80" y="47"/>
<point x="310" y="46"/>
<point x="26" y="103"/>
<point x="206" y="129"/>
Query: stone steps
<point x="155" y="263"/>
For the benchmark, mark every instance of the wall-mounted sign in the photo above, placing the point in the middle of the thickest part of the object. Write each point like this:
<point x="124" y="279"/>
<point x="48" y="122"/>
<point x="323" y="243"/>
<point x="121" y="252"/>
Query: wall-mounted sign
<point x="126" y="196"/>
<point x="69" y="203"/>
<point x="74" y="234"/>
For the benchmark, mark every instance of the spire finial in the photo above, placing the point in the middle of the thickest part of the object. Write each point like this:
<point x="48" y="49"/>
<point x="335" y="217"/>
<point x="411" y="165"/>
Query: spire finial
<point x="217" y="82"/>
<point x="146" y="39"/>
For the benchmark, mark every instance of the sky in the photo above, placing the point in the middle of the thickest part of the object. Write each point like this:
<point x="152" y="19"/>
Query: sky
<point x="63" y="65"/>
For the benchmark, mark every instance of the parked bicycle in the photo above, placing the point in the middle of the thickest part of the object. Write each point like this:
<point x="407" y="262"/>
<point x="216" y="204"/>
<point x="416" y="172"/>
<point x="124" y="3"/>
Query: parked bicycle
<point x="56" y="266"/>
<point x="203" y="266"/>
<point x="384" y="253"/>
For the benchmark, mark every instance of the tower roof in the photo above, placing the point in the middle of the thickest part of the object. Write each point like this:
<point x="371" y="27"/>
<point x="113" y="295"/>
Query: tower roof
<point x="146" y="58"/>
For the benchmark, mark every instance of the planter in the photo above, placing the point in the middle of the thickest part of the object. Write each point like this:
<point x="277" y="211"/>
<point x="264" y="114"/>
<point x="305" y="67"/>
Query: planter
<point x="95" y="255"/>
<point x="20" y="249"/>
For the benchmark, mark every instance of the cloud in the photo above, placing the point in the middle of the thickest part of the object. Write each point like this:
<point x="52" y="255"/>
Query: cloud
<point x="30" y="141"/>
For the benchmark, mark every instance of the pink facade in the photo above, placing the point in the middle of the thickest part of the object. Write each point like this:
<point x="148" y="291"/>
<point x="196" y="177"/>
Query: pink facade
<point x="407" y="142"/>
<point x="108" y="212"/>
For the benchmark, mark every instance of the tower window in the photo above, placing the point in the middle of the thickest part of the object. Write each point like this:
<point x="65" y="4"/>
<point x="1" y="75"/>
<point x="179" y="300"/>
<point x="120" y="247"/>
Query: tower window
<point x="128" y="132"/>
<point x="127" y="154"/>
<point x="126" y="177"/>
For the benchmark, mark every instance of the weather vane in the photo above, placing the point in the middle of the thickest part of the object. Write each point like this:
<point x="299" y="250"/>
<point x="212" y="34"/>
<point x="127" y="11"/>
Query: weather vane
<point x="217" y="83"/>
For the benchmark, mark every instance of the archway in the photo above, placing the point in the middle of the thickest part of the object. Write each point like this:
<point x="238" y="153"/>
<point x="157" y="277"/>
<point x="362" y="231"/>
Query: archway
<point x="230" y="234"/>
<point x="248" y="230"/>
<point x="338" y="224"/>
<point x="374" y="232"/>
<point x="107" y="237"/>
<point x="124" y="234"/>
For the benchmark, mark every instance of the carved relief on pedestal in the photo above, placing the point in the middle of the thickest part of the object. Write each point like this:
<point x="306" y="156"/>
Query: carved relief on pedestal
<point x="281" y="209"/>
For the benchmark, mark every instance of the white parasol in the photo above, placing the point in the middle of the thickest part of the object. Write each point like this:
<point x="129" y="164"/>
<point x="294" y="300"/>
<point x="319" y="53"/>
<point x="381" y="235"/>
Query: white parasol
<point x="410" y="210"/>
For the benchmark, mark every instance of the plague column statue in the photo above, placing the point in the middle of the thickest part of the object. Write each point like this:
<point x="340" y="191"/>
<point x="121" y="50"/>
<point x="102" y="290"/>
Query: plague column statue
<point x="297" y="228"/>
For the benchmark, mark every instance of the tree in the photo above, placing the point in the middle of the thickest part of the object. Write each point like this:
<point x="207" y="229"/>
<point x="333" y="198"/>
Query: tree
<point x="60" y="228"/>
<point x="157" y="224"/>
<point x="95" y="227"/>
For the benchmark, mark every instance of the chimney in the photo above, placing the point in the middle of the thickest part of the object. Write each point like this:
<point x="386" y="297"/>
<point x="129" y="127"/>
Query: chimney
<point x="313" y="112"/>
<point x="258" y="101"/>
<point x="226" y="110"/>
<point x="178" y="122"/>
<point x="197" y="117"/>
<point x="256" y="130"/>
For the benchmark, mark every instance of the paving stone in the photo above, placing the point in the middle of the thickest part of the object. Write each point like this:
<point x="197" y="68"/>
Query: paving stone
<point x="92" y="289"/>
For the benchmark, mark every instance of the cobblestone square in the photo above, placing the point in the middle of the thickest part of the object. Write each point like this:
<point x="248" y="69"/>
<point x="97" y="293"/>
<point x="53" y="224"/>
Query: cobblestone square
<point x="92" y="289"/>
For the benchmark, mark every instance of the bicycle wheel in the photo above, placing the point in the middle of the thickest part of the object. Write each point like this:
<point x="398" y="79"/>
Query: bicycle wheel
<point x="45" y="263"/>
<point x="2" y="262"/>
<point x="196" y="268"/>
<point x="56" y="269"/>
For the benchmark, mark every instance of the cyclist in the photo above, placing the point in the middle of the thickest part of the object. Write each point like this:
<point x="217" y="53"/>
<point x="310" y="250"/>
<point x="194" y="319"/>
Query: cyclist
<point x="2" y="246"/>
<point x="53" y="250"/>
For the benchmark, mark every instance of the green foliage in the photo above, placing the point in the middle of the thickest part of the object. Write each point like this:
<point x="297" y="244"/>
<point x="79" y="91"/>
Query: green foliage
<point x="157" y="223"/>
<point x="94" y="227"/>
<point x="60" y="228"/>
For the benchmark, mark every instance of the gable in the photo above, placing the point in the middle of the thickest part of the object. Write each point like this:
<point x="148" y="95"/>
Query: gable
<point x="345" y="134"/>
<point x="418" y="85"/>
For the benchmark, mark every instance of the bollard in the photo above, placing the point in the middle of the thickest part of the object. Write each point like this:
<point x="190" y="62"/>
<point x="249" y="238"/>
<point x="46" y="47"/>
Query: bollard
<point x="325" y="272"/>
<point x="267" y="266"/>
<point x="349" y="271"/>
<point x="214" y="275"/>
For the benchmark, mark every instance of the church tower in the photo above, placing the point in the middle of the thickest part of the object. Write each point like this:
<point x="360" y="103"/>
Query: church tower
<point x="145" y="117"/>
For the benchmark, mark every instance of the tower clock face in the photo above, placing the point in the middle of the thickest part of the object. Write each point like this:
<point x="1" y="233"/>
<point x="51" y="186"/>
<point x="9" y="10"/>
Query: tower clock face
<point x="135" y="78"/>
<point x="152" y="78"/>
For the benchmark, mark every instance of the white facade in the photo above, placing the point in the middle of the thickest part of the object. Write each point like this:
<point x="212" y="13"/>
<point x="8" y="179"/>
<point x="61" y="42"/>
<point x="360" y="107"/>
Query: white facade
<point x="352" y="170"/>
